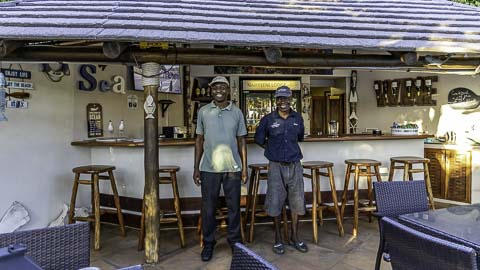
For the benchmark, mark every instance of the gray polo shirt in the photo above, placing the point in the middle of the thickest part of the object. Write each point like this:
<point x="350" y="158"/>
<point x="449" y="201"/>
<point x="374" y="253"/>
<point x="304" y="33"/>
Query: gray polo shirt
<point x="220" y="128"/>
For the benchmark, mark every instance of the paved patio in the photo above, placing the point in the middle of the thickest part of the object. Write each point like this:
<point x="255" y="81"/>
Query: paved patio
<point x="332" y="252"/>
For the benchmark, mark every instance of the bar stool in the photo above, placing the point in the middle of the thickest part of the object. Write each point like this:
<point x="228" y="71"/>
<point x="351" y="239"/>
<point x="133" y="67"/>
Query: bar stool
<point x="171" y="179"/>
<point x="360" y="167"/>
<point x="259" y="172"/>
<point x="317" y="204"/>
<point x="94" y="171"/>
<point x="408" y="171"/>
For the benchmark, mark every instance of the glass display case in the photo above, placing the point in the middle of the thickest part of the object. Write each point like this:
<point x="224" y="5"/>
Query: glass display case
<point x="257" y="104"/>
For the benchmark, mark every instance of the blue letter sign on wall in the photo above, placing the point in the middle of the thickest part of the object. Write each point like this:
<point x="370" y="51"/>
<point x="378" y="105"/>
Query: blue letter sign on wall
<point x="92" y="82"/>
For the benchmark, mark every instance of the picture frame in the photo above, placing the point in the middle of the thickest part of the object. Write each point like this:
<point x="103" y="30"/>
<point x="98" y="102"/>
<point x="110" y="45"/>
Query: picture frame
<point x="170" y="79"/>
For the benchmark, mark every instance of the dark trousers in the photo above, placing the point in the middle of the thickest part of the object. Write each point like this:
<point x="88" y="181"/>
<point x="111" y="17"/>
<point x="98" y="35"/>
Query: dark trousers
<point x="211" y="183"/>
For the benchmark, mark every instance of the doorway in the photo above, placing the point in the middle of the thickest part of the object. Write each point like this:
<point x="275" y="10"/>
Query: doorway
<point x="327" y="107"/>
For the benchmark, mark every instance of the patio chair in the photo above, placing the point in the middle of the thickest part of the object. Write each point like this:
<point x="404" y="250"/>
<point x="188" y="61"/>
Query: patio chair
<point x="411" y="249"/>
<point x="394" y="199"/>
<point x="64" y="247"/>
<point x="245" y="259"/>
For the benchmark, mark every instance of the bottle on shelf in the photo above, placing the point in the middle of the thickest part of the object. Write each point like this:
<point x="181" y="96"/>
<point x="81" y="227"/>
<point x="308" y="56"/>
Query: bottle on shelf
<point x="110" y="127"/>
<point x="197" y="92"/>
<point x="203" y="91"/>
<point x="121" y="128"/>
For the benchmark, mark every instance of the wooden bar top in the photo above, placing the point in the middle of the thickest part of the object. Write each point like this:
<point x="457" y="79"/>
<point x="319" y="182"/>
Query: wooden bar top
<point x="190" y="141"/>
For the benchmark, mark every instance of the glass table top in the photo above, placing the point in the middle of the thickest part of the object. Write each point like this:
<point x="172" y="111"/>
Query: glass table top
<point x="461" y="222"/>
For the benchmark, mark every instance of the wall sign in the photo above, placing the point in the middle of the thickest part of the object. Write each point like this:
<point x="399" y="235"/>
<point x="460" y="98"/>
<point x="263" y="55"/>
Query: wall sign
<point x="94" y="120"/>
<point x="15" y="73"/>
<point x="17" y="104"/>
<point x="20" y="85"/>
<point x="463" y="98"/>
<point x="263" y="85"/>
<point x="90" y="83"/>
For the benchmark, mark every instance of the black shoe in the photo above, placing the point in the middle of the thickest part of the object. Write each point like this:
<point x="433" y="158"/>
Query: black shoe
<point x="207" y="253"/>
<point x="386" y="257"/>
<point x="279" y="248"/>
<point x="300" y="246"/>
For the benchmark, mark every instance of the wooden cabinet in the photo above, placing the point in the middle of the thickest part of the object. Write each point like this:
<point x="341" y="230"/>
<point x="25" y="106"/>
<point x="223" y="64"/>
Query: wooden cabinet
<point x="450" y="174"/>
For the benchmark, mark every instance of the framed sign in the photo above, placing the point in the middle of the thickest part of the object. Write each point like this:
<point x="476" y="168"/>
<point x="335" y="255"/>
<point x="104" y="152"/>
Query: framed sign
<point x="463" y="98"/>
<point x="94" y="120"/>
<point x="14" y="73"/>
<point x="170" y="79"/>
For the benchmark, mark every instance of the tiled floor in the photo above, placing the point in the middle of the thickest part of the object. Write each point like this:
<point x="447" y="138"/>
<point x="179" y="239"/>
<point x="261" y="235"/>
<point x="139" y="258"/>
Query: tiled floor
<point x="332" y="251"/>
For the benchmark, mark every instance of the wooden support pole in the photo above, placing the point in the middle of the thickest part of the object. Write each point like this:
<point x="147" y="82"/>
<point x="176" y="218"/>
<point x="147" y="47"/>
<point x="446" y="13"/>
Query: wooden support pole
<point x="152" y="212"/>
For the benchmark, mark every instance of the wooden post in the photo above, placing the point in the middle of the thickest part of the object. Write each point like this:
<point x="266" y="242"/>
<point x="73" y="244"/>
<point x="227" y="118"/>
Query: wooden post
<point x="152" y="213"/>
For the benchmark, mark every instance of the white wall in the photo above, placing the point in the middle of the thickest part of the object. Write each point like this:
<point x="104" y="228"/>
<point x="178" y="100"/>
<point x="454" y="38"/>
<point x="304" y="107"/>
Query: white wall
<point x="435" y="119"/>
<point x="36" y="158"/>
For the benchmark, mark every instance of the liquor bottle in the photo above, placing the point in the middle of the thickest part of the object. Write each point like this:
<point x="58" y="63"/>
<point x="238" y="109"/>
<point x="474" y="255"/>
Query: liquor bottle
<point x="203" y="91"/>
<point x="197" y="92"/>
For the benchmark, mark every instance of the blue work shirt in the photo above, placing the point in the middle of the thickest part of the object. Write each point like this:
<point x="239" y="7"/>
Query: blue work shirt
<point x="280" y="136"/>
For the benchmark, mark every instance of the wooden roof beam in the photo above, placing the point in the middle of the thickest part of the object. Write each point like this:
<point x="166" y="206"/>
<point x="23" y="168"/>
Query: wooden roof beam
<point x="8" y="46"/>
<point x="197" y="56"/>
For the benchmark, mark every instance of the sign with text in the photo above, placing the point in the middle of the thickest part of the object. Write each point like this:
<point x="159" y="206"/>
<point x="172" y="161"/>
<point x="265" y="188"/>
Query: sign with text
<point x="463" y="98"/>
<point x="15" y="73"/>
<point x="269" y="85"/>
<point x="20" y="85"/>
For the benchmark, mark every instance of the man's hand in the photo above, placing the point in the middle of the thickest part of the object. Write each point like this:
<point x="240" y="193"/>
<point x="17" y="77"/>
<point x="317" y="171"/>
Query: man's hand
<point x="244" y="175"/>
<point x="196" y="177"/>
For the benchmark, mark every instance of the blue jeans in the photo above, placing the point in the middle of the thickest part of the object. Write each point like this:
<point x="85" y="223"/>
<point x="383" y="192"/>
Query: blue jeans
<point x="211" y="183"/>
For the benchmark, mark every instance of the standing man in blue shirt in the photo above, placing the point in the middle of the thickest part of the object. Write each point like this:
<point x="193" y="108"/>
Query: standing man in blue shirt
<point x="279" y="133"/>
<point x="221" y="147"/>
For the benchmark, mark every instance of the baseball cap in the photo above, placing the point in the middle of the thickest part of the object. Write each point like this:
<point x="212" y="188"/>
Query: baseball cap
<point x="283" y="91"/>
<point x="219" y="79"/>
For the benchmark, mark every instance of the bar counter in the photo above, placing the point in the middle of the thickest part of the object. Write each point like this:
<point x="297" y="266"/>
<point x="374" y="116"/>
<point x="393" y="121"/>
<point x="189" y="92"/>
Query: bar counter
<point x="128" y="158"/>
<point x="190" y="141"/>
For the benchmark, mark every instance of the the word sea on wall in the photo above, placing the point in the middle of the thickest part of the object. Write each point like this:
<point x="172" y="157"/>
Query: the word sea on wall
<point x="88" y="81"/>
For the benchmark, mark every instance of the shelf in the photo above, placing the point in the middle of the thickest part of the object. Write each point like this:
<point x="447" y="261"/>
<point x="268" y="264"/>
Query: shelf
<point x="203" y="99"/>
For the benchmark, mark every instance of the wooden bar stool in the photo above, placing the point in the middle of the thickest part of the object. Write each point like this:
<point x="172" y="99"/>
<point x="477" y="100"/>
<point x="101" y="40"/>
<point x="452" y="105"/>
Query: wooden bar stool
<point x="317" y="204"/>
<point x="171" y="179"/>
<point x="259" y="172"/>
<point x="407" y="163"/>
<point x="360" y="167"/>
<point x="94" y="171"/>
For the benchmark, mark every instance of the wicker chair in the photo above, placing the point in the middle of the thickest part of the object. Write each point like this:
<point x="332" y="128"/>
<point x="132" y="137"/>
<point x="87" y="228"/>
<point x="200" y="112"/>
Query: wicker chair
<point x="65" y="247"/>
<point x="394" y="199"/>
<point x="245" y="259"/>
<point x="411" y="249"/>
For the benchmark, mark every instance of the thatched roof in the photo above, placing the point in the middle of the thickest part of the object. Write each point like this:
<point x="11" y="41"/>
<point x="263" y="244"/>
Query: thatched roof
<point x="396" y="25"/>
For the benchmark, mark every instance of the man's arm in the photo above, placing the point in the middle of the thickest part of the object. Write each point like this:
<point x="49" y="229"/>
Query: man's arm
<point x="301" y="132"/>
<point x="242" y="148"/>
<point x="261" y="132"/>
<point x="198" y="156"/>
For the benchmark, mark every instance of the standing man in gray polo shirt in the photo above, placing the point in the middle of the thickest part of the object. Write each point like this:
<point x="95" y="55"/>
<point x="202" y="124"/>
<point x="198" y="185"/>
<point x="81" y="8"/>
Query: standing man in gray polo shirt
<point x="221" y="147"/>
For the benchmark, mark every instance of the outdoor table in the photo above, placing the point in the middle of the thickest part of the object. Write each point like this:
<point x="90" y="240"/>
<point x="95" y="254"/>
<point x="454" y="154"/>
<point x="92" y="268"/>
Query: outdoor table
<point x="458" y="224"/>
